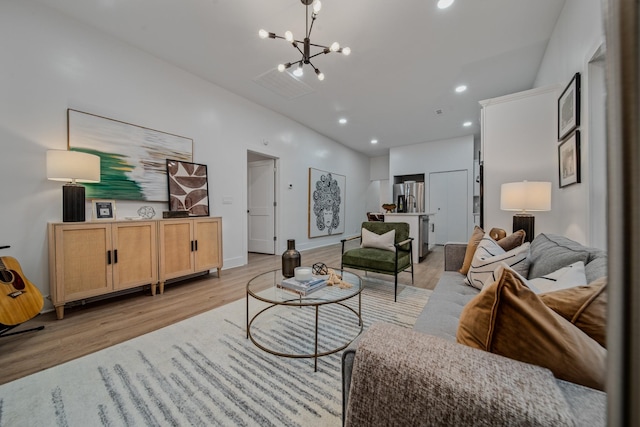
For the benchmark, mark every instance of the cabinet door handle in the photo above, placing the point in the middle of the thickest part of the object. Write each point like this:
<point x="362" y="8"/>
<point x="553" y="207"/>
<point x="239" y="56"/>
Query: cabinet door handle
<point x="115" y="256"/>
<point x="192" y="246"/>
<point x="196" y="245"/>
<point x="108" y="257"/>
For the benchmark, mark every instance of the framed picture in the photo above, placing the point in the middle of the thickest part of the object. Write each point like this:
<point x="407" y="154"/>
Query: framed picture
<point x="326" y="203"/>
<point x="569" y="108"/>
<point x="188" y="187"/>
<point x="569" y="160"/>
<point x="132" y="158"/>
<point x="103" y="210"/>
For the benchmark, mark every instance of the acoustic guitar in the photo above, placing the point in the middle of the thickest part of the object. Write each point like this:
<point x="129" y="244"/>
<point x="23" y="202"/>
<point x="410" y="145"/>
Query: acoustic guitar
<point x="20" y="300"/>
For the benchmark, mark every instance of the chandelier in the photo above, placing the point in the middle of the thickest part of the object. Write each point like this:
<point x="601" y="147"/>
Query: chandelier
<point x="306" y="43"/>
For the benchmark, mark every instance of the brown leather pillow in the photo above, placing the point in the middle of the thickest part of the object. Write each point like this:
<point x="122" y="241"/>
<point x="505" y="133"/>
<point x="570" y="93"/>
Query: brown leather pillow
<point x="584" y="306"/>
<point x="512" y="241"/>
<point x="507" y="318"/>
<point x="497" y="233"/>
<point x="474" y="240"/>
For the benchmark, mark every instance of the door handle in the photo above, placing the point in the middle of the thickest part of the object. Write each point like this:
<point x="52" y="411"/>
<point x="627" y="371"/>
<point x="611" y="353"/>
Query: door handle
<point x="115" y="256"/>
<point x="108" y="257"/>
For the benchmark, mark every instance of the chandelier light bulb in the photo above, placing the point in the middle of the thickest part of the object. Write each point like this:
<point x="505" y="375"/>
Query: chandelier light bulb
<point x="443" y="4"/>
<point x="317" y="5"/>
<point x="346" y="51"/>
<point x="281" y="67"/>
<point x="263" y="34"/>
<point x="288" y="36"/>
<point x="320" y="75"/>
<point x="298" y="72"/>
<point x="335" y="46"/>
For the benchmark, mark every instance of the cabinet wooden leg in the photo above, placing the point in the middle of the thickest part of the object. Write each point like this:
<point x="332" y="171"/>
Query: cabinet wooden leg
<point x="60" y="312"/>
<point x="161" y="288"/>
<point x="153" y="289"/>
<point x="219" y="270"/>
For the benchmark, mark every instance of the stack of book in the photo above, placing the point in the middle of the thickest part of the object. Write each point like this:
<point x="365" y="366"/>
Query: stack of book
<point x="302" y="288"/>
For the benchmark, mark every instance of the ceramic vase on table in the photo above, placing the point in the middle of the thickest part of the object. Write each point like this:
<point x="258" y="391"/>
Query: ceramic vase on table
<point x="290" y="259"/>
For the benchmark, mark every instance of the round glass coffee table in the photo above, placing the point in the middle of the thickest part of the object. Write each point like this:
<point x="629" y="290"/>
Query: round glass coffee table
<point x="267" y="294"/>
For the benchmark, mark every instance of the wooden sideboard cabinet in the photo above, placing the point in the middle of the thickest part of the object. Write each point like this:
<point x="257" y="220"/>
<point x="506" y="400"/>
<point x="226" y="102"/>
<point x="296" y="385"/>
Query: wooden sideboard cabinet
<point x="94" y="258"/>
<point x="188" y="246"/>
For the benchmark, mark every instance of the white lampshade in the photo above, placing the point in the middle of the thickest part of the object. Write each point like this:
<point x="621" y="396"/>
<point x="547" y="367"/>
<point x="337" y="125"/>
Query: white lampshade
<point x="525" y="196"/>
<point x="72" y="166"/>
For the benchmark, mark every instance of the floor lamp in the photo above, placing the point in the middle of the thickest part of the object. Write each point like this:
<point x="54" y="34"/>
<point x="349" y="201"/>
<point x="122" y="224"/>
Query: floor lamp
<point x="525" y="197"/>
<point x="72" y="167"/>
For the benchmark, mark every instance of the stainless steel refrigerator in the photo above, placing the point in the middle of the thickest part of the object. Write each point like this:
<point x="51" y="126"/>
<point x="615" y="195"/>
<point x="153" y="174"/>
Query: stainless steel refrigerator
<point x="409" y="196"/>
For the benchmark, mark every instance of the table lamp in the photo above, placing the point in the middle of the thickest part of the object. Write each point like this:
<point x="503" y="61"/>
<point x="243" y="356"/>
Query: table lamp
<point x="72" y="167"/>
<point x="525" y="197"/>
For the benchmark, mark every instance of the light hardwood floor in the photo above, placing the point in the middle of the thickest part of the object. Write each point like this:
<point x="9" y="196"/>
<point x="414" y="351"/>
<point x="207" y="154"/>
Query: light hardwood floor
<point x="100" y="324"/>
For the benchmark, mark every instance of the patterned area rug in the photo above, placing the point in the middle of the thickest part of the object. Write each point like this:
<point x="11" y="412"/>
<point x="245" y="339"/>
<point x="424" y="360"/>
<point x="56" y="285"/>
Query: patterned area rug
<point x="203" y="371"/>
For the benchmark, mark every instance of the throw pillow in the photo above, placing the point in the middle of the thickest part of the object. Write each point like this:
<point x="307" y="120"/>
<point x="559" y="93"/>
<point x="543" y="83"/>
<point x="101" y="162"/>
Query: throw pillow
<point x="550" y="253"/>
<point x="380" y="241"/>
<point x="498" y="272"/>
<point x="509" y="319"/>
<point x="497" y="233"/>
<point x="489" y="255"/>
<point x="476" y="236"/>
<point x="512" y="241"/>
<point x="567" y="277"/>
<point x="584" y="306"/>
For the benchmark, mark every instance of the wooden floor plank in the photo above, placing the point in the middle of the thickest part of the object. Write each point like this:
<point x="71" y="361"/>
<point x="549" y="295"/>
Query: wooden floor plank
<point x="99" y="324"/>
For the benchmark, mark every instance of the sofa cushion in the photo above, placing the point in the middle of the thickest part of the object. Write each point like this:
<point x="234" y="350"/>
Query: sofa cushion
<point x="512" y="241"/>
<point x="550" y="253"/>
<point x="507" y="318"/>
<point x="584" y="306"/>
<point x="474" y="240"/>
<point x="489" y="255"/>
<point x="440" y="316"/>
<point x="380" y="241"/>
<point x="566" y="277"/>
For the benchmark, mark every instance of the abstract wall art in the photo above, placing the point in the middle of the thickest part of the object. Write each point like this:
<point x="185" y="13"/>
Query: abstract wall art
<point x="188" y="187"/>
<point x="132" y="158"/>
<point x="326" y="203"/>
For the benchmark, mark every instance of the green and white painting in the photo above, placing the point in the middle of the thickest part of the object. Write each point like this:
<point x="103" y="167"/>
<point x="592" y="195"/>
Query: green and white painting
<point x="132" y="158"/>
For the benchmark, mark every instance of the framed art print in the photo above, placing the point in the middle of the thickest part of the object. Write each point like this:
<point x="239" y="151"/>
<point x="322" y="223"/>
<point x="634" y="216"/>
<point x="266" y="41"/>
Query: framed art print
<point x="569" y="108"/>
<point x="326" y="203"/>
<point x="103" y="210"/>
<point x="569" y="160"/>
<point x="188" y="187"/>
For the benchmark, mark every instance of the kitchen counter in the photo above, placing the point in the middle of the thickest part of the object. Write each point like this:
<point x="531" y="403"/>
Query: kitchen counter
<point x="418" y="229"/>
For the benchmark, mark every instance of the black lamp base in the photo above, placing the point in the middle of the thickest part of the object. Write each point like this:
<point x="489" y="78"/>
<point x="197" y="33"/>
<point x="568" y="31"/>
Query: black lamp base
<point x="73" y="203"/>
<point x="525" y="222"/>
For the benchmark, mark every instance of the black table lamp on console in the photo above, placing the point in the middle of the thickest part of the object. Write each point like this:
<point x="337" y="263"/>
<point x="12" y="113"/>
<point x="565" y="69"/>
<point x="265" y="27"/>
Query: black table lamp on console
<point x="72" y="167"/>
<point x="525" y="197"/>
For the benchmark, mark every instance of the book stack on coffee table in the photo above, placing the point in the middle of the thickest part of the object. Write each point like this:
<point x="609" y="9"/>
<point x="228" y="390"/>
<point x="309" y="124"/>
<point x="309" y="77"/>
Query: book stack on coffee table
<point x="302" y="288"/>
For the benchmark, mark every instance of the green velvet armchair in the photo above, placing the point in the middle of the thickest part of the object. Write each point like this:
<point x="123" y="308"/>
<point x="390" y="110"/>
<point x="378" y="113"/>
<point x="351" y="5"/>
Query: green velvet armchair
<point x="380" y="260"/>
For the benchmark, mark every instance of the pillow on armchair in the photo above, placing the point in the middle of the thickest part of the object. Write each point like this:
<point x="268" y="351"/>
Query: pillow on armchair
<point x="380" y="241"/>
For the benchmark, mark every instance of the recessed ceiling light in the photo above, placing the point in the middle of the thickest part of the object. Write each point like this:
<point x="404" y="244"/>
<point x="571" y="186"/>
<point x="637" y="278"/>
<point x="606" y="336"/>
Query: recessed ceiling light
<point x="342" y="121"/>
<point x="374" y="141"/>
<point x="443" y="4"/>
<point x="467" y="124"/>
<point x="461" y="88"/>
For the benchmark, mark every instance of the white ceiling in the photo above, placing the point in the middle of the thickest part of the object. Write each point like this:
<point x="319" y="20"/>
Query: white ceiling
<point x="407" y="57"/>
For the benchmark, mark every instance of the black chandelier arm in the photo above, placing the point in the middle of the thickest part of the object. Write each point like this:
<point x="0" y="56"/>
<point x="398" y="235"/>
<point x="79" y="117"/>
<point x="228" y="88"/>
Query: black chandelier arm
<point x="313" y="20"/>
<point x="319" y="53"/>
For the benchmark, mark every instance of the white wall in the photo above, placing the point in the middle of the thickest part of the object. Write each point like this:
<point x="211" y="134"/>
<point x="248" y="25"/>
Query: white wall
<point x="435" y="156"/>
<point x="519" y="143"/>
<point x="533" y="155"/>
<point x="578" y="34"/>
<point x="52" y="62"/>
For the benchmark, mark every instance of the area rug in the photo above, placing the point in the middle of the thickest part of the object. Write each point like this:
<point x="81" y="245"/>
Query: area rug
<point x="203" y="371"/>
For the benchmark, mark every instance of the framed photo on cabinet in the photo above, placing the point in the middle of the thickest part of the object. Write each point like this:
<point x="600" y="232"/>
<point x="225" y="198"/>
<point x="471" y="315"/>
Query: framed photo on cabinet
<point x="569" y="108"/>
<point x="103" y="210"/>
<point x="569" y="160"/>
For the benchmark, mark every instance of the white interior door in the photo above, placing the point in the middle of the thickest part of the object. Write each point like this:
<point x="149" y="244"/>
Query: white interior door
<point x="261" y="206"/>
<point x="448" y="199"/>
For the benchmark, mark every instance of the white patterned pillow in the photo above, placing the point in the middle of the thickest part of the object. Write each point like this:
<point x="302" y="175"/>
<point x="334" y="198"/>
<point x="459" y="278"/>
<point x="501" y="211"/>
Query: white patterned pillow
<point x="380" y="241"/>
<point x="488" y="257"/>
<point x="498" y="272"/>
<point x="566" y="277"/>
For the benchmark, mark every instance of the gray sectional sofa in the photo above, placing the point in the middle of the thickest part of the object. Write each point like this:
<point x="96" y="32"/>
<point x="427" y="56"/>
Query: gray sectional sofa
<point x="424" y="377"/>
